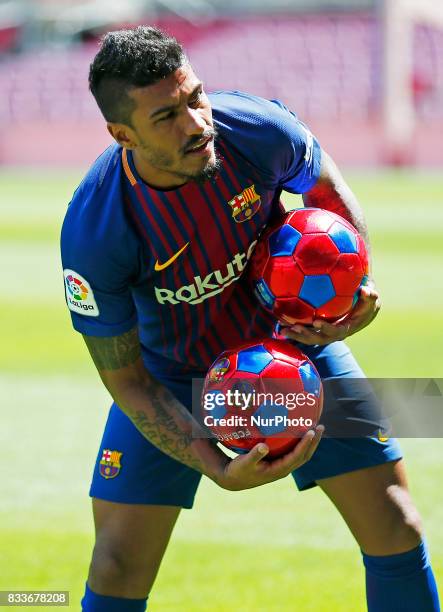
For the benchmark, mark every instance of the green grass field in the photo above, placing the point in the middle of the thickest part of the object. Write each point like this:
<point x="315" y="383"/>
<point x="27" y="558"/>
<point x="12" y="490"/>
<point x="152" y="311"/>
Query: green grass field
<point x="263" y="550"/>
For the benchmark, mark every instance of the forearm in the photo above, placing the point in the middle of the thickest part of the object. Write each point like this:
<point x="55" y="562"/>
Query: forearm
<point x="167" y="424"/>
<point x="331" y="192"/>
<point x="154" y="410"/>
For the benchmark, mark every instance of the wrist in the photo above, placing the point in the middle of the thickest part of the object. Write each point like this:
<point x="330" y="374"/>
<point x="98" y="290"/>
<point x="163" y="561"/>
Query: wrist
<point x="215" y="462"/>
<point x="218" y="474"/>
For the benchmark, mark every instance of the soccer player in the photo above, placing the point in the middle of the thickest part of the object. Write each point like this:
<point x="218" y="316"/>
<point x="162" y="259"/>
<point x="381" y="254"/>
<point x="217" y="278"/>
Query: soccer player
<point x="154" y="248"/>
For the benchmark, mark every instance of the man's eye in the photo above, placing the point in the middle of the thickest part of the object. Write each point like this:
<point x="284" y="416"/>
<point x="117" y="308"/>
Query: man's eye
<point x="166" y="117"/>
<point x="197" y="99"/>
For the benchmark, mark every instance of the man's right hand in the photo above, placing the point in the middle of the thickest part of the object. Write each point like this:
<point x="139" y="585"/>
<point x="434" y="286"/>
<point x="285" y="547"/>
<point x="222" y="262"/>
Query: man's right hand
<point x="252" y="470"/>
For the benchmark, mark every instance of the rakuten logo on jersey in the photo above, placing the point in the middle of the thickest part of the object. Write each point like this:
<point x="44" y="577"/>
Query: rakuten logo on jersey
<point x="213" y="283"/>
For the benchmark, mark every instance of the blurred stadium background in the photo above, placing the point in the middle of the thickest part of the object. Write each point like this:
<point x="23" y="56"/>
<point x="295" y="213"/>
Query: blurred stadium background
<point x="368" y="79"/>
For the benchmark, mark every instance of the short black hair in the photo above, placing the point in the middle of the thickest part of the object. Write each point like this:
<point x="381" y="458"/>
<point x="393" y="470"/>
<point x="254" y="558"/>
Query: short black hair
<point x="127" y="59"/>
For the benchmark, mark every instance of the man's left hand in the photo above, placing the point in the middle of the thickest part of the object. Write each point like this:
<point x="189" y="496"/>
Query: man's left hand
<point x="322" y="332"/>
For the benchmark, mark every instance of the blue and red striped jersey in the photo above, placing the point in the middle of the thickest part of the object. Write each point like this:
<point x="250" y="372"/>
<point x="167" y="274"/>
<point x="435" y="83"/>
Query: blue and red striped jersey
<point x="173" y="262"/>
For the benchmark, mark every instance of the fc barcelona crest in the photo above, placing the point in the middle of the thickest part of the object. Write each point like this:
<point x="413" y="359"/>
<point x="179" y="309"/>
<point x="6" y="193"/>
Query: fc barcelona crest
<point x="110" y="463"/>
<point x="245" y="204"/>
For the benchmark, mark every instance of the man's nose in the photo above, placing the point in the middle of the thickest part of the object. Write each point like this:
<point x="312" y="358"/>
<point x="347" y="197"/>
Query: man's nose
<point x="194" y="122"/>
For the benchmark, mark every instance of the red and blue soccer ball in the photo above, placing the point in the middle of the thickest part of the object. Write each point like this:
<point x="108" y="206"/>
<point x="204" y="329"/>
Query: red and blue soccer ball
<point x="279" y="396"/>
<point x="309" y="265"/>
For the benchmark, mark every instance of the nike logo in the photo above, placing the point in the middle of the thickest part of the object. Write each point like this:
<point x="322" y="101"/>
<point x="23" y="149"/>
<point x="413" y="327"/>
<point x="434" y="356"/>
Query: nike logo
<point x="158" y="266"/>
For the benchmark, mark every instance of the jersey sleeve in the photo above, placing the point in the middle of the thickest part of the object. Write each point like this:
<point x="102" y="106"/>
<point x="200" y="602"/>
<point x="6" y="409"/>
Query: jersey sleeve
<point x="271" y="137"/>
<point x="99" y="266"/>
<point x="302" y="161"/>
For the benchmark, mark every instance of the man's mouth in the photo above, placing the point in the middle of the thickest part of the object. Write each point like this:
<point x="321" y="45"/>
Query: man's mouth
<point x="202" y="146"/>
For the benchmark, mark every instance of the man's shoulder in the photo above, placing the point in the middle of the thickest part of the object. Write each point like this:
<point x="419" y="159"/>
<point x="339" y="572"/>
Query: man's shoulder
<point x="100" y="177"/>
<point x="262" y="131"/>
<point x="96" y="215"/>
<point x="241" y="108"/>
<point x="270" y="137"/>
<point x="99" y="189"/>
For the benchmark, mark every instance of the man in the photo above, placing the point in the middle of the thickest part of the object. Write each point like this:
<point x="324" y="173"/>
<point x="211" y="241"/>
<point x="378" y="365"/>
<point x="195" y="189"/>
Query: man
<point x="154" y="262"/>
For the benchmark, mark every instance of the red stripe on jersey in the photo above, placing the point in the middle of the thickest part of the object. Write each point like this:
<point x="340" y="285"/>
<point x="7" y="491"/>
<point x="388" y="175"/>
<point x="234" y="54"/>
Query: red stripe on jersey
<point x="178" y="237"/>
<point x="241" y="230"/>
<point x="214" y="345"/>
<point x="231" y="337"/>
<point x="231" y="162"/>
<point x="200" y="200"/>
<point x="262" y="318"/>
<point x="209" y="189"/>
<point x="145" y="205"/>
<point x="136" y="218"/>
<point x="169" y="249"/>
<point x="225" y="192"/>
<point x="204" y="309"/>
<point x="204" y="351"/>
<point x="165" y="214"/>
<point x="138" y="223"/>
<point x="162" y="210"/>
<point x="237" y="310"/>
<point x="208" y="345"/>
<point x="225" y="219"/>
<point x="203" y="333"/>
<point x="242" y="317"/>
<point x="194" y="193"/>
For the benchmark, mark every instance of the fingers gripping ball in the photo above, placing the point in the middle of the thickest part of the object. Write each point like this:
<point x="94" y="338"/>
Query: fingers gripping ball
<point x="266" y="391"/>
<point x="309" y="265"/>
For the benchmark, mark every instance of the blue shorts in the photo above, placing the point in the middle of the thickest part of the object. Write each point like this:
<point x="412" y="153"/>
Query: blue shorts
<point x="131" y="470"/>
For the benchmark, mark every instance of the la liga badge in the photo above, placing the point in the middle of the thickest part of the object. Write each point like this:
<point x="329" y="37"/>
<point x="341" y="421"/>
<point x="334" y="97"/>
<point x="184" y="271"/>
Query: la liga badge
<point x="79" y="295"/>
<point x="110" y="465"/>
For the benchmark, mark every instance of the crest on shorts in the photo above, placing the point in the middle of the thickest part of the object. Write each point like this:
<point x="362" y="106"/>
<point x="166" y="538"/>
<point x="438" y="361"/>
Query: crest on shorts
<point x="245" y="204"/>
<point x="383" y="435"/>
<point x="110" y="463"/>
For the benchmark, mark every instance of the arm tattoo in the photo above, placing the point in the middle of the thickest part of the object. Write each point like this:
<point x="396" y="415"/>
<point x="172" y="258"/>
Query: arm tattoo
<point x="115" y="352"/>
<point x="153" y="409"/>
<point x="169" y="426"/>
<point x="164" y="431"/>
<point x="332" y="193"/>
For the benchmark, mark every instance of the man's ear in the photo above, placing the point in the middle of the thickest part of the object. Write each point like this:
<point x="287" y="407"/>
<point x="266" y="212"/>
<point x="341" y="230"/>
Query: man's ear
<point x="123" y="134"/>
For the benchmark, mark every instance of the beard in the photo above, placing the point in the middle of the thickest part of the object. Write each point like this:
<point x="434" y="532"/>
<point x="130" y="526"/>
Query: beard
<point x="165" y="162"/>
<point x="209" y="172"/>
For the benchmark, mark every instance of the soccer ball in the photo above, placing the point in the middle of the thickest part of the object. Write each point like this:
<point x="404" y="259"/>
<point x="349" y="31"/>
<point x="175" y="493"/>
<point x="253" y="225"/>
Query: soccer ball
<point x="310" y="264"/>
<point x="263" y="391"/>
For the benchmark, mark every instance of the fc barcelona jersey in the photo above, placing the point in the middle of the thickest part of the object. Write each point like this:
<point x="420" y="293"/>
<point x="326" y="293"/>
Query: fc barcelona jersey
<point x="174" y="262"/>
